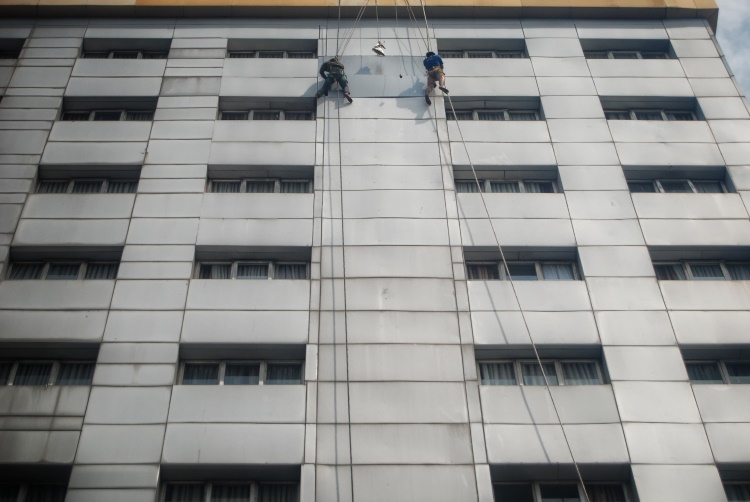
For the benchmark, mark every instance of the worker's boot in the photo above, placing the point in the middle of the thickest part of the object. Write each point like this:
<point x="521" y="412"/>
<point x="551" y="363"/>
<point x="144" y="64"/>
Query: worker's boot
<point x="443" y="89"/>
<point x="427" y="100"/>
<point x="348" y="97"/>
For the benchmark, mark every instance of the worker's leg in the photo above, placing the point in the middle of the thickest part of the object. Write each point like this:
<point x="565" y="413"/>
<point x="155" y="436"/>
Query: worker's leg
<point x="326" y="87"/>
<point x="344" y="84"/>
<point x="430" y="82"/>
<point x="441" y="81"/>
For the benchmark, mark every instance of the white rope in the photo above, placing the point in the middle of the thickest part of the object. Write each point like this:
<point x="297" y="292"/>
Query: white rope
<point x="413" y="18"/>
<point x="350" y="33"/>
<point x="515" y="294"/>
<point x="426" y="27"/>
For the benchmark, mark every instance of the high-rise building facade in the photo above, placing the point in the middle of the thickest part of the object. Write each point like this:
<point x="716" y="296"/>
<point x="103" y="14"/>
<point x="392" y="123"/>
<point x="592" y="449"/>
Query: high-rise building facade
<point x="217" y="288"/>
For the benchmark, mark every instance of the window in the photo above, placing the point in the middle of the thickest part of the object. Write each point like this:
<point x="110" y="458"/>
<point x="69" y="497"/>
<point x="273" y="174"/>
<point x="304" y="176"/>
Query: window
<point x="522" y="271"/>
<point x="479" y="54"/>
<point x="718" y="372"/>
<point x="272" y="54"/>
<point x="62" y="270"/>
<point x="266" y="115"/>
<point x="626" y="55"/>
<point x="10" y="48"/>
<point x="252" y="270"/>
<point x="241" y="373"/>
<point x="649" y="114"/>
<point x="87" y="185"/>
<point x="506" y="186"/>
<point x="126" y="54"/>
<point x="528" y="372"/>
<point x="46" y="373"/>
<point x="559" y="492"/>
<point x="259" y="185"/>
<point x="231" y="491"/>
<point x="702" y="271"/>
<point x="677" y="186"/>
<point x="32" y="493"/>
<point x="737" y="492"/>
<point x="107" y="115"/>
<point x="494" y="115"/>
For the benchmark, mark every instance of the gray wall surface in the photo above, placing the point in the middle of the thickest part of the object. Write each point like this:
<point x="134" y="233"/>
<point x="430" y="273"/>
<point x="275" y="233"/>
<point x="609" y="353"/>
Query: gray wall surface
<point x="391" y="407"/>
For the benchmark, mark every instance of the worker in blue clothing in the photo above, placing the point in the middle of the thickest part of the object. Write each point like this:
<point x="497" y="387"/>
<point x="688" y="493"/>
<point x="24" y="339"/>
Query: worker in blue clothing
<point x="335" y="73"/>
<point x="433" y="63"/>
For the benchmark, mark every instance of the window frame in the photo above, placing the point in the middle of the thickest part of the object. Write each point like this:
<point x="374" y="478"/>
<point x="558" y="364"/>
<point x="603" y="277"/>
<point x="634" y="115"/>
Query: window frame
<point x="536" y="491"/>
<point x="503" y="273"/>
<point x="723" y="371"/>
<point x="272" y="264"/>
<point x="255" y="487"/>
<point x="610" y="54"/>
<point x="92" y="114"/>
<point x="262" y="371"/>
<point x="104" y="188"/>
<point x="689" y="276"/>
<point x="518" y="370"/>
<point x="656" y="182"/>
<point x="486" y="185"/>
<point x="495" y="54"/>
<point x="82" y="269"/>
<point x="449" y="115"/>
<point x="276" y="188"/>
<point x="23" y="489"/>
<point x="231" y="54"/>
<point x="54" y="372"/>
<point x="664" y="117"/>
<point x="282" y="114"/>
<point x="140" y="54"/>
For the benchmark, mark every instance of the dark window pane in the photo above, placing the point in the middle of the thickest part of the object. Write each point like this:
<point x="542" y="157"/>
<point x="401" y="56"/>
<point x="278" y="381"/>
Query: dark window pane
<point x="706" y="271"/>
<point x="479" y="54"/>
<point x="230" y="493"/>
<point x="75" y="374"/>
<point x="469" y="186"/>
<point x="679" y="116"/>
<point x="676" y="186"/>
<point x="271" y="54"/>
<point x="266" y="115"/>
<point x="260" y="186"/>
<point x="580" y="373"/>
<point x="87" y="186"/>
<point x="642" y="186"/>
<point x="96" y="55"/>
<point x="233" y="186"/>
<point x="738" y="372"/>
<point x="482" y="271"/>
<point x="497" y="374"/>
<point x="532" y="374"/>
<point x="140" y="115"/>
<point x="451" y="54"/>
<point x="509" y="55"/>
<point x="606" y="493"/>
<point x="739" y="271"/>
<point x="184" y="493"/>
<point x="460" y="115"/>
<point x="125" y="54"/>
<point x="215" y="271"/>
<point x="648" y="115"/>
<point x="33" y="374"/>
<point x="4" y="374"/>
<point x="559" y="493"/>
<point x="617" y="114"/>
<point x="26" y="271"/>
<point x="539" y="186"/>
<point x="708" y="186"/>
<point x="252" y="271"/>
<point x="234" y="115"/>
<point x="284" y="373"/>
<point x="242" y="374"/>
<point x="670" y="272"/>
<point x="513" y="493"/>
<point x="290" y="271"/>
<point x="46" y="493"/>
<point x="654" y="55"/>
<point x="558" y="272"/>
<point x="625" y="55"/>
<point x="596" y="55"/>
<point x="704" y="373"/>
<point x="242" y="54"/>
<point x="122" y="186"/>
<point x="738" y="492"/>
<point x="53" y="186"/>
<point x="522" y="271"/>
<point x="490" y="115"/>
<point x="63" y="271"/>
<point x="154" y="54"/>
<point x="200" y="374"/>
<point x="295" y="187"/>
<point x="516" y="115"/>
<point x="101" y="271"/>
<point x="75" y="116"/>
<point x="298" y="116"/>
<point x="278" y="492"/>
<point x="301" y="55"/>
<point x="107" y="115"/>
<point x="505" y="187"/>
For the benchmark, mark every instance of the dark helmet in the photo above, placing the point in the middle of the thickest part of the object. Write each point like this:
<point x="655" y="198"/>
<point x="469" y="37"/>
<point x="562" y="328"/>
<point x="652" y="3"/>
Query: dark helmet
<point x="430" y="54"/>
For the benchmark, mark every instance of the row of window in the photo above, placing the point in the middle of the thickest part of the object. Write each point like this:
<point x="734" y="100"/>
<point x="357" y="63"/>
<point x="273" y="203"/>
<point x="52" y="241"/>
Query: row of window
<point x="253" y="270"/>
<point x="133" y="54"/>
<point x="87" y="185"/>
<point x="702" y="271"/>
<point x="255" y="185"/>
<point x="241" y="373"/>
<point x="677" y="186"/>
<point x="32" y="493"/>
<point x="522" y="271"/>
<point x="625" y="55"/>
<point x="266" y="115"/>
<point x="107" y="115"/>
<point x="649" y="114"/>
<point x="549" y="186"/>
<point x="231" y="492"/>
<point x="563" y="372"/>
<point x="610" y="114"/>
<point x="63" y="270"/>
<point x="506" y="186"/>
<point x="560" y="492"/>
<point x="46" y="373"/>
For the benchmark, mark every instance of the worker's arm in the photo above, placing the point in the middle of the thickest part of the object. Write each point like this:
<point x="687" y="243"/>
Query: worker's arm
<point x="323" y="69"/>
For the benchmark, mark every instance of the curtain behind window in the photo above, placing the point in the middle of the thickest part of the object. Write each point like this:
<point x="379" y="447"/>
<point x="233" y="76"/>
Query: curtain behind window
<point x="707" y="271"/>
<point x="4" y="374"/>
<point x="277" y="492"/>
<point x="184" y="493"/>
<point x="215" y="271"/>
<point x="230" y="493"/>
<point x="708" y="186"/>
<point x="9" y="493"/>
<point x="539" y="186"/>
<point x="242" y="374"/>
<point x="101" y="271"/>
<point x="497" y="374"/>
<point x="260" y="186"/>
<point x="53" y="187"/>
<point x="122" y="186"/>
<point x="670" y="272"/>
<point x="225" y="186"/>
<point x="504" y="186"/>
<point x="467" y="186"/>
<point x="33" y="374"/>
<point x="532" y="374"/>
<point x="739" y="271"/>
<point x="482" y="272"/>
<point x="252" y="271"/>
<point x="606" y="493"/>
<point x="522" y="115"/>
<point x="642" y="186"/>
<point x="290" y="271"/>
<point x="558" y="272"/>
<point x="63" y="271"/>
<point x="75" y="374"/>
<point x="583" y="373"/>
<point x="46" y="493"/>
<point x="200" y="374"/>
<point x="704" y="373"/>
<point x="295" y="186"/>
<point x="738" y="492"/>
<point x="283" y="374"/>
<point x="26" y="271"/>
<point x="738" y="372"/>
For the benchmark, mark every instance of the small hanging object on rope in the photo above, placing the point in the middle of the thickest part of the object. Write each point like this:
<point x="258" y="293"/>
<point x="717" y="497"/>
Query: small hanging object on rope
<point x="379" y="49"/>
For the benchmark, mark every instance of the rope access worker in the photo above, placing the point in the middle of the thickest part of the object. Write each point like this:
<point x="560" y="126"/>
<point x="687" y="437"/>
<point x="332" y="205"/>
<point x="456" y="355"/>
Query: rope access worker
<point x="335" y="70"/>
<point x="433" y="63"/>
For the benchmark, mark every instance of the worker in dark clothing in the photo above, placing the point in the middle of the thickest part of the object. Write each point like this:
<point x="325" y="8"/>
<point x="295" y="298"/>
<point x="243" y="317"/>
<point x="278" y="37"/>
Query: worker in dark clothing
<point x="335" y="73"/>
<point x="433" y="63"/>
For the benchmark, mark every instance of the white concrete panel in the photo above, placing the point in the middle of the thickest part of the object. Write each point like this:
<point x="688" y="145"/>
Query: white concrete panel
<point x="75" y="326"/>
<point x="667" y="443"/>
<point x="433" y="483"/>
<point x="120" y="444"/>
<point x="421" y="363"/>
<point x="723" y="403"/>
<point x="656" y="402"/>
<point x="257" y="404"/>
<point x="512" y="205"/>
<point x="689" y="206"/>
<point x="645" y="364"/>
<point x="542" y="296"/>
<point x="517" y="232"/>
<point x="669" y="154"/>
<point x="706" y="295"/>
<point x="81" y="153"/>
<point x="592" y="178"/>
<point x="614" y="293"/>
<point x="411" y="444"/>
<point x="649" y="68"/>
<point x="71" y="232"/>
<point x="407" y="402"/>
<point x="384" y="232"/>
<point x="78" y="206"/>
<point x="687" y="483"/>
<point x="241" y="294"/>
<point x="394" y="261"/>
<point x="246" y="232"/>
<point x="589" y="205"/>
<point x="654" y="131"/>
<point x="710" y="327"/>
<point x="400" y="294"/>
<point x="394" y="204"/>
<point x="643" y="87"/>
<point x="635" y="328"/>
<point x="696" y="232"/>
<point x="503" y="154"/>
<point x="245" y="327"/>
<point x="586" y="154"/>
<point x="615" y="261"/>
<point x="56" y="295"/>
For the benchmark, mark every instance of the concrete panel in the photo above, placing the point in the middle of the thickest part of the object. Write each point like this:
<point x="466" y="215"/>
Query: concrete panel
<point x="560" y="67"/>
<point x="657" y="68"/>
<point x="645" y="364"/>
<point x="706" y="295"/>
<point x="56" y="295"/>
<point x="77" y="326"/>
<point x="22" y="142"/>
<point x="255" y="232"/>
<point x="669" y="154"/>
<point x="27" y="447"/>
<point x="40" y="77"/>
<point x="717" y="327"/>
<point x="669" y="402"/>
<point x="121" y="444"/>
<point x="100" y="131"/>
<point x="687" y="483"/>
<point x="41" y="400"/>
<point x="635" y="328"/>
<point x="244" y="153"/>
<point x="392" y="261"/>
<point x="71" y="232"/>
<point x="233" y="444"/>
<point x="168" y="205"/>
<point x="612" y="205"/>
<point x="648" y="131"/>
<point x="411" y="444"/>
<point x="509" y="328"/>
<point x="683" y="206"/>
<point x="110" y="405"/>
<point x="245" y="327"/>
<point x="400" y="294"/>
<point x="260" y="131"/>
<point x="542" y="296"/>
<point x="163" y="231"/>
<point x="433" y="483"/>
<point x="517" y="232"/>
<point x="275" y="404"/>
<point x="407" y="402"/>
<point x="424" y="363"/>
<point x="616" y="261"/>
<point x="612" y="293"/>
<point x="394" y="204"/>
<point x="723" y="403"/>
<point x="696" y="232"/>
<point x="119" y="68"/>
<point x="138" y="353"/>
<point x="500" y="154"/>
<point x="586" y="154"/>
<point x="643" y="87"/>
<point x="104" y="476"/>
<point x="155" y="270"/>
<point x="512" y="205"/>
<point x="82" y="153"/>
<point x="620" y="29"/>
<point x="579" y="130"/>
<point x="592" y="178"/>
<point x="384" y="178"/>
<point x="78" y="206"/>
<point x="136" y="375"/>
<point x="143" y="327"/>
<point x="242" y="294"/>
<point x="150" y="295"/>
<point x="105" y="87"/>
<point x="668" y="443"/>
<point x="566" y="86"/>
<point x="695" y="49"/>
<point x="257" y="205"/>
<point x="178" y="152"/>
<point x="384" y="232"/>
